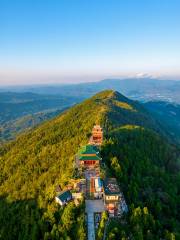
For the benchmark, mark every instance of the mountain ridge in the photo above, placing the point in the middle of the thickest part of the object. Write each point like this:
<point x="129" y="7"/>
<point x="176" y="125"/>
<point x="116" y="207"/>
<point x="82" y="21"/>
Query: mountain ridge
<point x="33" y="164"/>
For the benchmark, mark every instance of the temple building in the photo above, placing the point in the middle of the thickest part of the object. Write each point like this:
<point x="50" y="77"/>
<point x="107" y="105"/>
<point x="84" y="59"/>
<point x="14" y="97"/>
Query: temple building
<point x="97" y="136"/>
<point x="88" y="156"/>
<point x="63" y="197"/>
<point x="112" y="196"/>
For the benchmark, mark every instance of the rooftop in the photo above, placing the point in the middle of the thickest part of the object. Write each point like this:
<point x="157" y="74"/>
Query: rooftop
<point x="97" y="127"/>
<point x="111" y="186"/>
<point x="64" y="195"/>
<point x="93" y="158"/>
<point x="88" y="149"/>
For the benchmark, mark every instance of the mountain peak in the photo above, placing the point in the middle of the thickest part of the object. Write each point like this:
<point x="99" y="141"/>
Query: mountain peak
<point x="104" y="94"/>
<point x="109" y="94"/>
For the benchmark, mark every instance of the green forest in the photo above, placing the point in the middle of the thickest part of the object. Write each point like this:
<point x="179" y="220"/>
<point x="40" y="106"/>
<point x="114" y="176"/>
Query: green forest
<point x="168" y="114"/>
<point x="148" y="173"/>
<point x="136" y="151"/>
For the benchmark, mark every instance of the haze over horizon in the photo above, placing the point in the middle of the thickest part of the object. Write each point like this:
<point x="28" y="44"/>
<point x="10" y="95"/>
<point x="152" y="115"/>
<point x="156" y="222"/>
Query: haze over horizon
<point x="45" y="42"/>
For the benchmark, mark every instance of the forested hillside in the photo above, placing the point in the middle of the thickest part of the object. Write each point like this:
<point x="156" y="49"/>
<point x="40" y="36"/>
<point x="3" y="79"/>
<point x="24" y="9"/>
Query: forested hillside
<point x="148" y="170"/>
<point x="168" y="114"/>
<point x="145" y="165"/>
<point x="33" y="165"/>
<point x="11" y="129"/>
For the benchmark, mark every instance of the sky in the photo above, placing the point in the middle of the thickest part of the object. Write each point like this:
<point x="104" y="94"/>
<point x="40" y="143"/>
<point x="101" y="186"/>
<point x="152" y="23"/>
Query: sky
<point x="65" y="41"/>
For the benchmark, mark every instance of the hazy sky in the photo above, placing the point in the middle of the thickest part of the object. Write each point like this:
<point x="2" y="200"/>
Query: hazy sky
<point x="83" y="40"/>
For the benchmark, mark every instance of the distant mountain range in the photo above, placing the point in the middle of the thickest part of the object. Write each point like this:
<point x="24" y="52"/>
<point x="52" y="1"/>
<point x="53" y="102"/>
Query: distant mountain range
<point x="142" y="89"/>
<point x="24" y="107"/>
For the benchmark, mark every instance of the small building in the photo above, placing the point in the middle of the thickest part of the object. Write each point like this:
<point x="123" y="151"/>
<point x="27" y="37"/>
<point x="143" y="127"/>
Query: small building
<point x="97" y="136"/>
<point x="88" y="156"/>
<point x="112" y="196"/>
<point x="63" y="197"/>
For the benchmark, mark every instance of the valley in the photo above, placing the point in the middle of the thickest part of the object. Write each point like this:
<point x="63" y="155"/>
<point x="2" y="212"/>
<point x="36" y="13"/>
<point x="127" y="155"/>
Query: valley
<point x="168" y="115"/>
<point x="23" y="111"/>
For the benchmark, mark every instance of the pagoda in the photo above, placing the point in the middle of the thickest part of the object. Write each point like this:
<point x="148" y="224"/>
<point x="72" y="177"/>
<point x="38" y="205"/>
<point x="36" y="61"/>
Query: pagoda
<point x="97" y="136"/>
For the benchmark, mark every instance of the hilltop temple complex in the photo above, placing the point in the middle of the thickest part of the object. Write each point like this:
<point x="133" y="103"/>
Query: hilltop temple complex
<point x="101" y="194"/>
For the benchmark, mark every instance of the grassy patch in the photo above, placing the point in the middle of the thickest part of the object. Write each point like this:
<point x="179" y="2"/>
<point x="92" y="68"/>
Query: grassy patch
<point x="124" y="105"/>
<point x="130" y="127"/>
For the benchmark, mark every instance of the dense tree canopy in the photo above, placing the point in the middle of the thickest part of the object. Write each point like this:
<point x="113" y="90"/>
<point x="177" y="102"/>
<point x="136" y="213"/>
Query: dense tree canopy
<point x="148" y="172"/>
